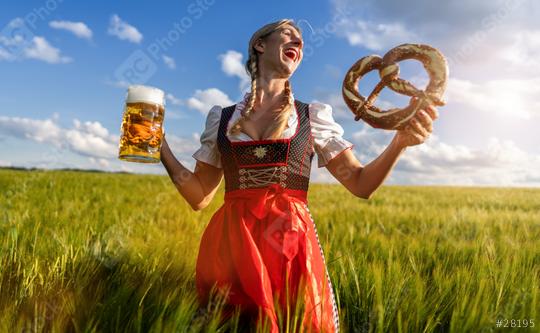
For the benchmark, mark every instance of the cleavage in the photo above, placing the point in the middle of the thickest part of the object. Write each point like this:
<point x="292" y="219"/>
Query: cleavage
<point x="262" y="123"/>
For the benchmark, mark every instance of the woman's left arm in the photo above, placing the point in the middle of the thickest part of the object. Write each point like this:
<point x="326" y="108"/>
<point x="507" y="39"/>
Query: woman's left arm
<point x="363" y="181"/>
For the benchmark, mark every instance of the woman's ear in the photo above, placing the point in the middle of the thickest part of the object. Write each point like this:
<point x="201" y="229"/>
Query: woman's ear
<point x="259" y="46"/>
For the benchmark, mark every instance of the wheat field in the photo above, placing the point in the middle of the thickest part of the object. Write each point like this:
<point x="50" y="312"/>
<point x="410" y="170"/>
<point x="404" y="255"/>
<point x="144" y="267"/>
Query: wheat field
<point x="99" y="252"/>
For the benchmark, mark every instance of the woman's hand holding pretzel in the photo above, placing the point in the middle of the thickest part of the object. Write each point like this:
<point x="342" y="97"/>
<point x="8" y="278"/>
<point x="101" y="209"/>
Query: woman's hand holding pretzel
<point x="418" y="128"/>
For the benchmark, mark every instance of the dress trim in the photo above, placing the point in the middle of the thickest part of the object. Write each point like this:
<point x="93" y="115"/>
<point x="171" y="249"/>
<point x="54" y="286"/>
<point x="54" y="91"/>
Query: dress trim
<point x="335" y="312"/>
<point x="251" y="192"/>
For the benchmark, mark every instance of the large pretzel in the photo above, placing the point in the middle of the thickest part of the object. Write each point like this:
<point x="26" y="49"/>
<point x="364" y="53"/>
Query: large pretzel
<point x="434" y="63"/>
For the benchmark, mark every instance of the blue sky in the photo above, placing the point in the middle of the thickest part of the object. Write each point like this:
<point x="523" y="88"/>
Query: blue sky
<point x="65" y="67"/>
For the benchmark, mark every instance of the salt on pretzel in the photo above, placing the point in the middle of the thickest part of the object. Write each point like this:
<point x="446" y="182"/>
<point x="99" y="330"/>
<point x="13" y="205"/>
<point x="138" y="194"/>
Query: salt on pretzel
<point x="394" y="119"/>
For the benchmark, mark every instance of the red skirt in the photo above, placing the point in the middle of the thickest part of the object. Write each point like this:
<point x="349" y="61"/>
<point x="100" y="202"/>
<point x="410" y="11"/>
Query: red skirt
<point x="262" y="251"/>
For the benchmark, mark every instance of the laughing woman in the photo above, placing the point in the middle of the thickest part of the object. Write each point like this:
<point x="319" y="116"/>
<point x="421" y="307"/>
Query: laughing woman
<point x="261" y="246"/>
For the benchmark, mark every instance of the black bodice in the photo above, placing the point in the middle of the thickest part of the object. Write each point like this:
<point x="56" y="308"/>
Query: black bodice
<point x="255" y="164"/>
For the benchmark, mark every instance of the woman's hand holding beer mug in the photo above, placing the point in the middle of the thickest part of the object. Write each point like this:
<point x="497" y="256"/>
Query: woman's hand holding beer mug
<point x="197" y="187"/>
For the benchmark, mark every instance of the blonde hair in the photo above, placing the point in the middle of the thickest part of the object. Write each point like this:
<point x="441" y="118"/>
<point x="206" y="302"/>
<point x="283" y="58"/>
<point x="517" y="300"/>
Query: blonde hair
<point x="282" y="113"/>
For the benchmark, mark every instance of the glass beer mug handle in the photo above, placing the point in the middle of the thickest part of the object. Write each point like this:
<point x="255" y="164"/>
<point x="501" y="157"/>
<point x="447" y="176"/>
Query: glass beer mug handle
<point x="142" y="125"/>
<point x="162" y="136"/>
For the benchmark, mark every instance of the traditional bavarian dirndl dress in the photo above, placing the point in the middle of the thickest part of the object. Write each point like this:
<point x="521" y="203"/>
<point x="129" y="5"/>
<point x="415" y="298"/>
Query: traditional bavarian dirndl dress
<point x="263" y="235"/>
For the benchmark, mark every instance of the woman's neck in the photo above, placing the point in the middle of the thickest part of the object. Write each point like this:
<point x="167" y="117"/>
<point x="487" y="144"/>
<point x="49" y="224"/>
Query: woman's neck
<point x="269" y="89"/>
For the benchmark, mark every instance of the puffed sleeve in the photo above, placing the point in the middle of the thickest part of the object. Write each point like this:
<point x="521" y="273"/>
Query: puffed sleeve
<point x="208" y="152"/>
<point x="328" y="140"/>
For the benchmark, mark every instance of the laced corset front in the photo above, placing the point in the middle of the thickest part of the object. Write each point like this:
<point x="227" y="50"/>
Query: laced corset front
<point x="259" y="163"/>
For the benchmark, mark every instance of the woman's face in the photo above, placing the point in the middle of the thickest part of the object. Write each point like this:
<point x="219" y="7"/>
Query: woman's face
<point x="281" y="51"/>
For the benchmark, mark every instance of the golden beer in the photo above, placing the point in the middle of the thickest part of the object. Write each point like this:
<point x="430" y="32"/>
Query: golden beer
<point x="141" y="131"/>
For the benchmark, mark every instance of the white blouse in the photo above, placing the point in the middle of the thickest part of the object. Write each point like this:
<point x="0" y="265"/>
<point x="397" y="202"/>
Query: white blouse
<point x="327" y="134"/>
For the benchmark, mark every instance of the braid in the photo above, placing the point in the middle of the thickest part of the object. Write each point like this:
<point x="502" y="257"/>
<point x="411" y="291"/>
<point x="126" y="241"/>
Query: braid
<point x="251" y="101"/>
<point x="248" y="109"/>
<point x="283" y="113"/>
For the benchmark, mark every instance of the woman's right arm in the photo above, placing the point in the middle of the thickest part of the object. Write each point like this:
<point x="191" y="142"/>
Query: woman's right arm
<point x="197" y="187"/>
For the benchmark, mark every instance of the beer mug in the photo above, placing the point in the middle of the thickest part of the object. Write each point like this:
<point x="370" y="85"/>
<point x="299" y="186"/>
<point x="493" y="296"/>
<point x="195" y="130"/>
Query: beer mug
<point x="141" y="131"/>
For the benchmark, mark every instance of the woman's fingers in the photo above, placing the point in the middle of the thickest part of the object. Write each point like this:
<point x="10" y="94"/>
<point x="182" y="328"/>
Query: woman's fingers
<point x="412" y="132"/>
<point x="432" y="111"/>
<point x="425" y="119"/>
<point x="418" y="127"/>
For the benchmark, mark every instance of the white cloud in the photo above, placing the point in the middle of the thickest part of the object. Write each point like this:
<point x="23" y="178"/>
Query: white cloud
<point x="88" y="138"/>
<point x="204" y="100"/>
<point x="40" y="49"/>
<point x="85" y="145"/>
<point x="524" y="54"/>
<point x="375" y="36"/>
<point x="79" y="29"/>
<point x="91" y="127"/>
<point x="100" y="162"/>
<point x="500" y="162"/>
<point x="92" y="139"/>
<point x="507" y="97"/>
<point x="123" y="30"/>
<point x="183" y="145"/>
<point x="4" y="55"/>
<point x="169" y="62"/>
<point x="173" y="99"/>
<point x="170" y="114"/>
<point x="232" y="65"/>
<point x="37" y="130"/>
<point x="89" y="144"/>
<point x="18" y="44"/>
<point x="370" y="142"/>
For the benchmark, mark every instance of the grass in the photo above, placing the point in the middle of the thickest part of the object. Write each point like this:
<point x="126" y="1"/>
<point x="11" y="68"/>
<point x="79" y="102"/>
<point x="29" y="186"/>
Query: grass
<point x="95" y="252"/>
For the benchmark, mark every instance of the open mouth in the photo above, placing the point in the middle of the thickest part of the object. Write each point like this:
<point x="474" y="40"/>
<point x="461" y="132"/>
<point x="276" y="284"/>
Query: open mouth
<point x="291" y="53"/>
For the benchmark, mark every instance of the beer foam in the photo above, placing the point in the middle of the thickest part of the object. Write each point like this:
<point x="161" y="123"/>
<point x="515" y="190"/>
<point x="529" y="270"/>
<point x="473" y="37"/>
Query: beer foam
<point x="139" y="93"/>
